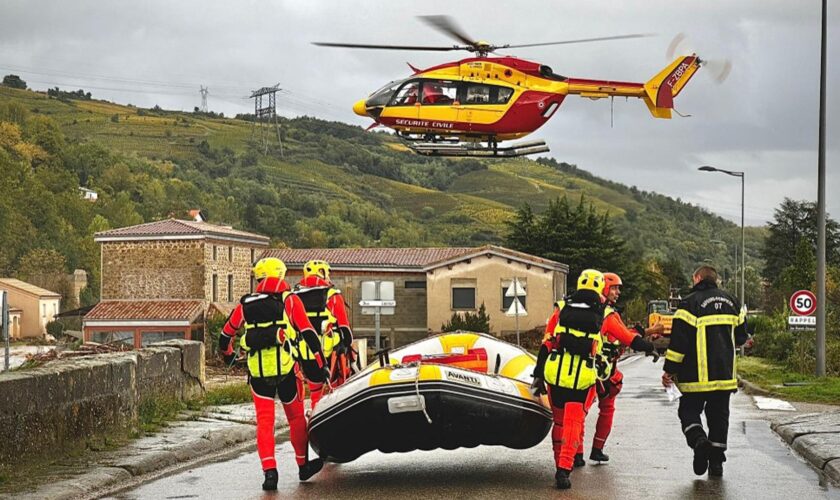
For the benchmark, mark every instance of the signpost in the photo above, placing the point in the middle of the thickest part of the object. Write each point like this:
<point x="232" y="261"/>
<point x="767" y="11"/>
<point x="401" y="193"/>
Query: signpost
<point x="4" y="319"/>
<point x="516" y="308"/>
<point x="803" y="303"/>
<point x="378" y="299"/>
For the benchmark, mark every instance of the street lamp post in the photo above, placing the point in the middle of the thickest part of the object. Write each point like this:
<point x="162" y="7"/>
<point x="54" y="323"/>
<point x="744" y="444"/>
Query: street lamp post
<point x="707" y="168"/>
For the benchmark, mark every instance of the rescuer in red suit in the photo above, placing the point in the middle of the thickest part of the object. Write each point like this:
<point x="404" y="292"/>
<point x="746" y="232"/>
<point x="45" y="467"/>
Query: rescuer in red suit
<point x="327" y="311"/>
<point x="276" y="327"/>
<point x="617" y="337"/>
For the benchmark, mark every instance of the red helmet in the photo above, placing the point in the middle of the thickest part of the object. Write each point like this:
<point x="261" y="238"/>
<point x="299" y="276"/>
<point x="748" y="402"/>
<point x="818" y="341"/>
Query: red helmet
<point x="611" y="280"/>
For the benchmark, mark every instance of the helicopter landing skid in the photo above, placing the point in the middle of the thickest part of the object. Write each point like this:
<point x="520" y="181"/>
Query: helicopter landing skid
<point x="477" y="149"/>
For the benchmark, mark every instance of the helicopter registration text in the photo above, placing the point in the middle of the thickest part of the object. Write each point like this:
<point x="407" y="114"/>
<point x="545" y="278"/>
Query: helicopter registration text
<point x="423" y="123"/>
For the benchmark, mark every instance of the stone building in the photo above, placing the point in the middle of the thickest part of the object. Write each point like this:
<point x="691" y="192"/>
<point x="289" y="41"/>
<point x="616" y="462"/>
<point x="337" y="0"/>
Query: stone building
<point x="169" y="260"/>
<point x="430" y="284"/>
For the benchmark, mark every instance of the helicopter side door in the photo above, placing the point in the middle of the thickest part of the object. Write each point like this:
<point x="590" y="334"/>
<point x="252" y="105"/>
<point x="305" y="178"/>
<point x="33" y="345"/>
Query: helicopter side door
<point x="483" y="104"/>
<point x="439" y="106"/>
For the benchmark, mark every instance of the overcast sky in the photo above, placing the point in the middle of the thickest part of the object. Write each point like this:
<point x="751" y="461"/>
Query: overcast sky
<point x="763" y="119"/>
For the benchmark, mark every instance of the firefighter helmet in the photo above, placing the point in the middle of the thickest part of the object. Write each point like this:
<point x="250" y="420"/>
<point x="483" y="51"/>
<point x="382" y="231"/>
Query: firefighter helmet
<point x="611" y="280"/>
<point x="317" y="268"/>
<point x="269" y="267"/>
<point x="590" y="279"/>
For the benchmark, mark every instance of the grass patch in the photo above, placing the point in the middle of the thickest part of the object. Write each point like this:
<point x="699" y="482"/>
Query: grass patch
<point x="156" y="411"/>
<point x="771" y="376"/>
<point x="228" y="394"/>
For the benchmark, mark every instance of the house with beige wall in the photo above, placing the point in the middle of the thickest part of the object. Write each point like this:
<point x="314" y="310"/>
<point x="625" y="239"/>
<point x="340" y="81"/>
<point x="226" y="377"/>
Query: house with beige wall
<point x="155" y="276"/>
<point x="430" y="284"/>
<point x="31" y="306"/>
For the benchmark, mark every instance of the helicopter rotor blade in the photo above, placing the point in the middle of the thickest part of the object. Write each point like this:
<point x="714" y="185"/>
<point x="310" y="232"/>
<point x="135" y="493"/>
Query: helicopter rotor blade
<point x="388" y="47"/>
<point x="447" y="26"/>
<point x="580" y="40"/>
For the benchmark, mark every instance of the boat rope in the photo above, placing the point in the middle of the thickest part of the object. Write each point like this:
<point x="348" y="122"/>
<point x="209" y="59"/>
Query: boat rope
<point x="419" y="397"/>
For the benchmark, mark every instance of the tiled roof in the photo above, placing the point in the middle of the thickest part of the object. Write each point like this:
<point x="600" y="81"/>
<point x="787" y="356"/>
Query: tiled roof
<point x="177" y="227"/>
<point x="26" y="287"/>
<point x="365" y="257"/>
<point x="401" y="258"/>
<point x="140" y="310"/>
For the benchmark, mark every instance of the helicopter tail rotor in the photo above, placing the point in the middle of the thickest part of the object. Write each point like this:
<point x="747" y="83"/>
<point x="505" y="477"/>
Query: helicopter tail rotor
<point x="717" y="68"/>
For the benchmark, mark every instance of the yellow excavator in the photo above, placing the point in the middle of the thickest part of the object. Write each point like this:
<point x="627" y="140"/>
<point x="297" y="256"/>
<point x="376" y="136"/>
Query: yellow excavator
<point x="662" y="311"/>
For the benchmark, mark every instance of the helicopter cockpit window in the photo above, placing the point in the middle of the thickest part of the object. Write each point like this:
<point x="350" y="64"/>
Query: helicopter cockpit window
<point x="383" y="95"/>
<point x="440" y="92"/>
<point x="406" y="95"/>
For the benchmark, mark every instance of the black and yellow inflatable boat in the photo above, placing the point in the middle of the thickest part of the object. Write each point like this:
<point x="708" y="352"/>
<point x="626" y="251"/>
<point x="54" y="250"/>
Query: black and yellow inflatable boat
<point x="447" y="391"/>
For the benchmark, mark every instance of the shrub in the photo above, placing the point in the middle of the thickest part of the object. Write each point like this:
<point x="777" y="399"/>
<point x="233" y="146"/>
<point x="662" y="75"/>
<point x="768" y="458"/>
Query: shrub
<point x="115" y="118"/>
<point x="472" y="322"/>
<point x="771" y="339"/>
<point x="55" y="328"/>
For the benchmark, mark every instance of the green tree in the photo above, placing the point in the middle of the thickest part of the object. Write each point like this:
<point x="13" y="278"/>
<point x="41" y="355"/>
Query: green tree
<point x="44" y="267"/>
<point x="794" y="222"/>
<point x="575" y="235"/>
<point x="14" y="81"/>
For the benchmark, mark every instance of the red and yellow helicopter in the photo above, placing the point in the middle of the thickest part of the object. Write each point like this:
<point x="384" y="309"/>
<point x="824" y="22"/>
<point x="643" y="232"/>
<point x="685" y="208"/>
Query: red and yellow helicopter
<point x="468" y="107"/>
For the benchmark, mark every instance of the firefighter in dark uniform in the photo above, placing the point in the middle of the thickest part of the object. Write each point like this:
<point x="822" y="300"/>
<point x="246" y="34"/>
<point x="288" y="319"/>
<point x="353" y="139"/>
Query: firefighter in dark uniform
<point x="327" y="312"/>
<point x="708" y="325"/>
<point x="566" y="363"/>
<point x="276" y="329"/>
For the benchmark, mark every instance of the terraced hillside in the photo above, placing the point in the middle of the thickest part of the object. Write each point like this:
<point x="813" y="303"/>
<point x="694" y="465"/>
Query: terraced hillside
<point x="335" y="184"/>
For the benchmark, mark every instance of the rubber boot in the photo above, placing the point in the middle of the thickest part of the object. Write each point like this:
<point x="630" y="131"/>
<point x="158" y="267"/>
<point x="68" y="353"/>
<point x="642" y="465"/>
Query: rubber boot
<point x="270" y="483"/>
<point x="561" y="479"/>
<point x="310" y="468"/>
<point x="599" y="456"/>
<point x="579" y="461"/>
<point x="701" y="455"/>
<point x="715" y="469"/>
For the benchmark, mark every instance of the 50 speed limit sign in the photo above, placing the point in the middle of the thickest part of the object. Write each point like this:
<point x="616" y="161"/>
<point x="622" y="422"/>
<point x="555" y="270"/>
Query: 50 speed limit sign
<point x="803" y="303"/>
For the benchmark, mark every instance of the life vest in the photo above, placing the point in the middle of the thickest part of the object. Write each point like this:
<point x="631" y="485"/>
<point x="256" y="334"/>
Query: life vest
<point x="315" y="302"/>
<point x="565" y="369"/>
<point x="269" y="339"/>
<point x="610" y="351"/>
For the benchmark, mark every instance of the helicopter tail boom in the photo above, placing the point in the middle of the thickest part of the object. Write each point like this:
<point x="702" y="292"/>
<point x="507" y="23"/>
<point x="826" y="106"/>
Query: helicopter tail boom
<point x="661" y="90"/>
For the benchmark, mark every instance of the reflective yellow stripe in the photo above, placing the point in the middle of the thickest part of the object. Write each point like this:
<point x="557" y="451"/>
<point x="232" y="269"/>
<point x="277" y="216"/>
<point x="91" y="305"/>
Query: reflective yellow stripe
<point x="250" y="326"/>
<point x="702" y="355"/>
<point x="686" y="316"/>
<point x="714" y="385"/>
<point x="718" y="319"/>
<point x="674" y="356"/>
<point x="742" y="317"/>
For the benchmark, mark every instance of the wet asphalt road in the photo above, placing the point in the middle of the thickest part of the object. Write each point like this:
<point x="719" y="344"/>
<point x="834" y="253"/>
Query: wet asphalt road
<point x="649" y="459"/>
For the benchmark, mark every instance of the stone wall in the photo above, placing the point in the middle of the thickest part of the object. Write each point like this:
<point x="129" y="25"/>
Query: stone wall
<point x="46" y="410"/>
<point x="232" y="260"/>
<point x="164" y="269"/>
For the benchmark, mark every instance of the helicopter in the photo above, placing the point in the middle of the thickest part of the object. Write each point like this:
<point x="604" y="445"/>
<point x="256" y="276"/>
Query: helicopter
<point x="471" y="106"/>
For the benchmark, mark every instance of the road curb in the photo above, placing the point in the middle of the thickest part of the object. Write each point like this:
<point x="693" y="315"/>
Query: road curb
<point x="108" y="479"/>
<point x="750" y="388"/>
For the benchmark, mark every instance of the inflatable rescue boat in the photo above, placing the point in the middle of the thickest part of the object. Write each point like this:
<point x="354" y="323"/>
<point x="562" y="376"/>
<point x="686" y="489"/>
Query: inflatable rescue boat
<point x="447" y="391"/>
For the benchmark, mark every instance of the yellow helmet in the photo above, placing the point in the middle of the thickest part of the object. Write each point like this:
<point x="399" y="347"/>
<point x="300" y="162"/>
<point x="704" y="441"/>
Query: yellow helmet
<point x="269" y="267"/>
<point x="316" y="268"/>
<point x="590" y="279"/>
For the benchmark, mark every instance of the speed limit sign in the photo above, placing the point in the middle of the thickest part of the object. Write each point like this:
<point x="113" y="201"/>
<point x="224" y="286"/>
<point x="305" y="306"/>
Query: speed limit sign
<point x="803" y="303"/>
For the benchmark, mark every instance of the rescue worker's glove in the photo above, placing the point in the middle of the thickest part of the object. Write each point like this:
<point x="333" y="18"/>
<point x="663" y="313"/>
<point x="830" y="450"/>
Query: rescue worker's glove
<point x="229" y="359"/>
<point x="538" y="386"/>
<point x="340" y="349"/>
<point x="640" y="344"/>
<point x="639" y="329"/>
